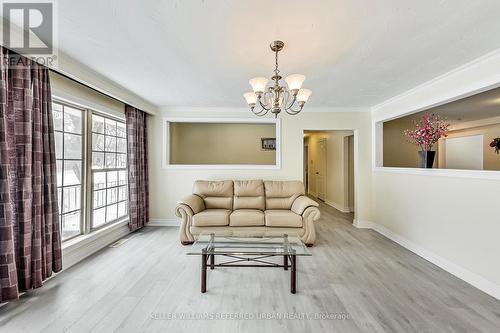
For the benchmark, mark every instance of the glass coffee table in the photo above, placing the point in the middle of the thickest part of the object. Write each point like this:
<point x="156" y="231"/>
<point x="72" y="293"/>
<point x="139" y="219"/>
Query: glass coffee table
<point x="245" y="251"/>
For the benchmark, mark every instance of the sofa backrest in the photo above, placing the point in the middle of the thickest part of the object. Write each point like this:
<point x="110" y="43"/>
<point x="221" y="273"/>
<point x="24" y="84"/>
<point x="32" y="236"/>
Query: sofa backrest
<point x="249" y="194"/>
<point x="282" y="194"/>
<point x="216" y="194"/>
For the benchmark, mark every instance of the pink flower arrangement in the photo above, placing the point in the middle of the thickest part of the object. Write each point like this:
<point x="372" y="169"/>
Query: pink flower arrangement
<point x="428" y="131"/>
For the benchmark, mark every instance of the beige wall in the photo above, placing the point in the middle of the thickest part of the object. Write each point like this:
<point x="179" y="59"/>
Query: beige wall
<point x="337" y="162"/>
<point x="398" y="152"/>
<point x="168" y="185"/>
<point x="220" y="143"/>
<point x="491" y="160"/>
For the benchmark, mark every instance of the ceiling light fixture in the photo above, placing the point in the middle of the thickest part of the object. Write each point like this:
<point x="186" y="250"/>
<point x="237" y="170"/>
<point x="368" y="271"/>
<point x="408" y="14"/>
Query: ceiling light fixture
<point x="277" y="98"/>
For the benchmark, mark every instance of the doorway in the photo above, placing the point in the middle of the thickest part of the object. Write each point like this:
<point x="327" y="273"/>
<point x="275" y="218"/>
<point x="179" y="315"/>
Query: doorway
<point x="329" y="167"/>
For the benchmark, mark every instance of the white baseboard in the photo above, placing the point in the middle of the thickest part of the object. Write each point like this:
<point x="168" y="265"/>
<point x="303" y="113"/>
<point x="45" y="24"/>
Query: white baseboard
<point x="77" y="249"/>
<point x="474" y="279"/>
<point x="163" y="223"/>
<point x="335" y="205"/>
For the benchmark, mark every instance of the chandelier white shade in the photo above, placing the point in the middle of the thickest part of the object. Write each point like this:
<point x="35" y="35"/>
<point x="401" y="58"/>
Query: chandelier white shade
<point x="258" y="84"/>
<point x="276" y="98"/>
<point x="303" y="95"/>
<point x="295" y="81"/>
<point x="250" y="97"/>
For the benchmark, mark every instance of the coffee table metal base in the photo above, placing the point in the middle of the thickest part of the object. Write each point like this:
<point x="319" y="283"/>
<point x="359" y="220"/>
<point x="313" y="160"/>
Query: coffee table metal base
<point x="289" y="261"/>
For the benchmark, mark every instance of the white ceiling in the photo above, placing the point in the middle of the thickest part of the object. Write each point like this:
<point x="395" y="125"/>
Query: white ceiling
<point x="476" y="107"/>
<point x="202" y="53"/>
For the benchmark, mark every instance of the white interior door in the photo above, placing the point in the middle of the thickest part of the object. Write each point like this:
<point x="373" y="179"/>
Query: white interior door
<point x="321" y="170"/>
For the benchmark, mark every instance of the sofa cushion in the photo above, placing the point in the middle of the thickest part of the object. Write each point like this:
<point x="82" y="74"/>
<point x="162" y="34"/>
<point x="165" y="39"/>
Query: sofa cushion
<point x="246" y="218"/>
<point x="282" y="218"/>
<point x="282" y="194"/>
<point x="215" y="194"/>
<point x="212" y="217"/>
<point x="249" y="194"/>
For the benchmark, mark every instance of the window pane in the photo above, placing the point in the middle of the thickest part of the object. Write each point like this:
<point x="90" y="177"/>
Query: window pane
<point x="122" y="193"/>
<point x="72" y="173"/>
<point x="122" y="177"/>
<point x="110" y="143"/>
<point x="59" y="198"/>
<point x="99" y="180"/>
<point x="110" y="127"/>
<point x="112" y="178"/>
<point x="97" y="160"/>
<point x="98" y="142"/>
<point x="70" y="224"/>
<point x="97" y="124"/>
<point x="59" y="168"/>
<point x="110" y="161"/>
<point x="122" y="209"/>
<point x="59" y="144"/>
<point x="57" y="107"/>
<point x="111" y="195"/>
<point x="121" y="161"/>
<point x="99" y="217"/>
<point x="111" y="213"/>
<point x="121" y="145"/>
<point x="57" y="117"/>
<point x="72" y="146"/>
<point x="99" y="198"/>
<point x="72" y="120"/>
<point x="120" y="130"/>
<point x="109" y="138"/>
<point x="71" y="198"/>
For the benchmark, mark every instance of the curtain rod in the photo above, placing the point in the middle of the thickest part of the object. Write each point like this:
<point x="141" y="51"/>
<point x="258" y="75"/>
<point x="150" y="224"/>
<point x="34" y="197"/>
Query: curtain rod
<point x="75" y="79"/>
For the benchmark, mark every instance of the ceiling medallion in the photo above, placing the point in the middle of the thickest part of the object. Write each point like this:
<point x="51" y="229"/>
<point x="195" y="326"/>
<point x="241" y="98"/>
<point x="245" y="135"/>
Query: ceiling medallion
<point x="277" y="98"/>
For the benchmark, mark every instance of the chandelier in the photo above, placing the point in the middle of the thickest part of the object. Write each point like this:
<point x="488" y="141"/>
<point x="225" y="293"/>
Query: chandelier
<point x="277" y="98"/>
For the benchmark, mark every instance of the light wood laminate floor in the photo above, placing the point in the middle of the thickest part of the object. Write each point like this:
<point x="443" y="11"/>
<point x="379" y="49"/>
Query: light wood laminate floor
<point x="137" y="286"/>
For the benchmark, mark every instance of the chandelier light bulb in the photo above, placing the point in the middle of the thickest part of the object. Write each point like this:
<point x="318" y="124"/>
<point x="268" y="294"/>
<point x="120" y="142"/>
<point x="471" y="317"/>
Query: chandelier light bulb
<point x="303" y="95"/>
<point x="250" y="97"/>
<point x="258" y="84"/>
<point x="295" y="81"/>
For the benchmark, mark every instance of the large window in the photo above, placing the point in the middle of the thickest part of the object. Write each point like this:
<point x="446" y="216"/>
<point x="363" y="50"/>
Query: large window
<point x="68" y="125"/>
<point x="109" y="170"/>
<point x="94" y="177"/>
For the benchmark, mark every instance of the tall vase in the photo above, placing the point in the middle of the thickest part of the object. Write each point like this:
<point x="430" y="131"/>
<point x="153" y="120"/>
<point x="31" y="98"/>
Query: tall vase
<point x="426" y="159"/>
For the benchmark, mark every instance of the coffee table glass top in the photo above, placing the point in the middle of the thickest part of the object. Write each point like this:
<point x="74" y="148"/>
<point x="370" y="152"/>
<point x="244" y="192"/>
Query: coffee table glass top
<point x="251" y="245"/>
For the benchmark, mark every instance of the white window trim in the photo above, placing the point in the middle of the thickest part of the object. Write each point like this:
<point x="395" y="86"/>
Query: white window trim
<point x="87" y="231"/>
<point x="166" y="143"/>
<point x="378" y="143"/>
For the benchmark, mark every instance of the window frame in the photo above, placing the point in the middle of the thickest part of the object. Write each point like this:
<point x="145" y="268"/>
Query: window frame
<point x="90" y="212"/>
<point x="86" y="192"/>
<point x="83" y="159"/>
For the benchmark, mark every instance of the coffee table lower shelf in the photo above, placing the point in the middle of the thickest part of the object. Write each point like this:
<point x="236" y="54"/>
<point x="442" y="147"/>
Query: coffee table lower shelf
<point x="289" y="261"/>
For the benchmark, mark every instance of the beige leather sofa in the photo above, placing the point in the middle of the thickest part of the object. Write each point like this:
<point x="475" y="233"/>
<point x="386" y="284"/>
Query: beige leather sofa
<point x="247" y="207"/>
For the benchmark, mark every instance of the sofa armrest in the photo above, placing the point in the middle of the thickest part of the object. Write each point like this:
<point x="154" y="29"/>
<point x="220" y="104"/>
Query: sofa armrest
<point x="194" y="202"/>
<point x="302" y="203"/>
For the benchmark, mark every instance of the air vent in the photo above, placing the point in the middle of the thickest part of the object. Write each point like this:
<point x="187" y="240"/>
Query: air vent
<point x="119" y="242"/>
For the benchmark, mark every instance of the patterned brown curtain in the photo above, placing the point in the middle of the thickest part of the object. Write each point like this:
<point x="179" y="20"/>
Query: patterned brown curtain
<point x="30" y="240"/>
<point x="137" y="167"/>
